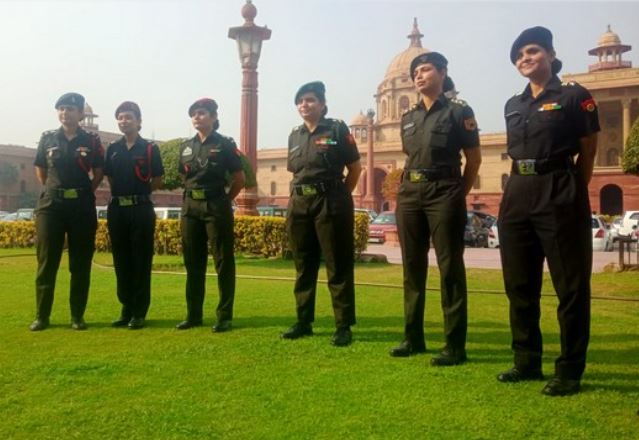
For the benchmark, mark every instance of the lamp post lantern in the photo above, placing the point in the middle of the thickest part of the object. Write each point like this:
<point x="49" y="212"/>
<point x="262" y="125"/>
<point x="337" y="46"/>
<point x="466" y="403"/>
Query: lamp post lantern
<point x="249" y="39"/>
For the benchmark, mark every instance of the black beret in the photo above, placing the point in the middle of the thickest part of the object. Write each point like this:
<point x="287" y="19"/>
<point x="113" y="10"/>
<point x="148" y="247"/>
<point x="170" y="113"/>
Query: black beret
<point x="205" y="103"/>
<point x="534" y="35"/>
<point x="434" y="58"/>
<point x="128" y="106"/>
<point x="315" y="87"/>
<point x="74" y="99"/>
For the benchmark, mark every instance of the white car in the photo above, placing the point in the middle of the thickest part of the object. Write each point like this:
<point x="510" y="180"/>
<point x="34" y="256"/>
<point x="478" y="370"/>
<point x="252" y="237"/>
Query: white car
<point x="167" y="212"/>
<point x="601" y="238"/>
<point x="630" y="224"/>
<point x="493" y="236"/>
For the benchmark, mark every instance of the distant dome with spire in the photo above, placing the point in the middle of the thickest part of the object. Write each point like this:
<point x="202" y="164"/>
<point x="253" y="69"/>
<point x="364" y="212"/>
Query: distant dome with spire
<point x="400" y="65"/>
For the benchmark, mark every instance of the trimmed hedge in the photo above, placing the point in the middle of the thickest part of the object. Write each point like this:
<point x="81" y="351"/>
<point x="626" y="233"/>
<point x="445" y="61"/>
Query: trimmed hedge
<point x="263" y="236"/>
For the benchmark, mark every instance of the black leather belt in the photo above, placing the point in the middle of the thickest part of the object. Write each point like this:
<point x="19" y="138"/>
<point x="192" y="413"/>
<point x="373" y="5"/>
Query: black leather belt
<point x="431" y="174"/>
<point x="205" y="193"/>
<point x="532" y="167"/>
<point x="313" y="189"/>
<point x="132" y="200"/>
<point x="67" y="193"/>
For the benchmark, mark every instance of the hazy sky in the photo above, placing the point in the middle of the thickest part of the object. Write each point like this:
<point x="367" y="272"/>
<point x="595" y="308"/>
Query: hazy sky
<point x="166" y="54"/>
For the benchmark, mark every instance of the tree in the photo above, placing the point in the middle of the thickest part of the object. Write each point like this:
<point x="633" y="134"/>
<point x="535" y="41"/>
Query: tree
<point x="8" y="174"/>
<point x="630" y="161"/>
<point x="170" y="152"/>
<point x="390" y="186"/>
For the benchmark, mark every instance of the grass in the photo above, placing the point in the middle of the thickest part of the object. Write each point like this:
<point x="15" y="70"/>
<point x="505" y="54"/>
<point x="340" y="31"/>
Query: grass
<point x="161" y="383"/>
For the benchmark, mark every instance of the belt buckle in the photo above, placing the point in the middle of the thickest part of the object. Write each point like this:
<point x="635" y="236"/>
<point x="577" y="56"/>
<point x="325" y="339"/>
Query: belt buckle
<point x="71" y="193"/>
<point x="309" y="190"/>
<point x="125" y="201"/>
<point x="198" y="194"/>
<point x="415" y="176"/>
<point x="526" y="167"/>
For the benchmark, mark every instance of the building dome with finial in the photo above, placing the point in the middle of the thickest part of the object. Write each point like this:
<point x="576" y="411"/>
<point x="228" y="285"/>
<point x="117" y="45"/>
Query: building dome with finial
<point x="359" y="120"/>
<point x="400" y="64"/>
<point x="609" y="50"/>
<point x="249" y="11"/>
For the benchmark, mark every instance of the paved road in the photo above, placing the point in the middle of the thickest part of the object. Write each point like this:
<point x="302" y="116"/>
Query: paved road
<point x="483" y="258"/>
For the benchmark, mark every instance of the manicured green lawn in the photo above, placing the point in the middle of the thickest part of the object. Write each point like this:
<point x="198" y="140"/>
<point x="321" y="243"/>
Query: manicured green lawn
<point x="161" y="383"/>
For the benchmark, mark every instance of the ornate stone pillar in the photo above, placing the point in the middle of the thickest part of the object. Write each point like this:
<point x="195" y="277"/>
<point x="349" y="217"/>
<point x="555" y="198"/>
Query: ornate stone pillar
<point x="625" y="103"/>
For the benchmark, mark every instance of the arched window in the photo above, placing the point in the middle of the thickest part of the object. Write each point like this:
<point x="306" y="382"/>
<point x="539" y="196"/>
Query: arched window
<point x="357" y="132"/>
<point x="504" y="181"/>
<point x="612" y="157"/>
<point x="477" y="183"/>
<point x="384" y="109"/>
<point x="364" y="134"/>
<point x="404" y="103"/>
<point x="273" y="188"/>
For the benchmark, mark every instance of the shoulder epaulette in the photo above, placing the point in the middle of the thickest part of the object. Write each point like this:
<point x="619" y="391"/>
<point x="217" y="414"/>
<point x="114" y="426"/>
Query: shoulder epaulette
<point x="48" y="132"/>
<point x="297" y="128"/>
<point x="410" y="109"/>
<point x="568" y="83"/>
<point x="459" y="101"/>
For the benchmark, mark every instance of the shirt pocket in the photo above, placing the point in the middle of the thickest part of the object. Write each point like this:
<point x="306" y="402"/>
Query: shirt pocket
<point x="53" y="155"/>
<point x="295" y="159"/>
<point x="83" y="156"/>
<point x="410" y="137"/>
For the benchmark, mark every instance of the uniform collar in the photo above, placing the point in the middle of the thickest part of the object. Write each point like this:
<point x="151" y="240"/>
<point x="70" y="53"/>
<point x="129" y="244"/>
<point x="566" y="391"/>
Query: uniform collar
<point x="80" y="132"/>
<point x="323" y="122"/>
<point x="138" y="142"/>
<point x="554" y="85"/>
<point x="210" y="139"/>
<point x="441" y="101"/>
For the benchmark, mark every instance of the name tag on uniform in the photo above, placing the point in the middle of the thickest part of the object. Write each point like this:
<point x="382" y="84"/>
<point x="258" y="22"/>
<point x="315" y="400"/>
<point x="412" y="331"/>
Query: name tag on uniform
<point x="296" y="147"/>
<point x="409" y="125"/>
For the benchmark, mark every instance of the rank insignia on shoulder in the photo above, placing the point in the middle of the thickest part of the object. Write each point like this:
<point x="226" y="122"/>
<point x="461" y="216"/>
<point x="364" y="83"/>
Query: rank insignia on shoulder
<point x="549" y="107"/>
<point x="588" y="105"/>
<point x="568" y="83"/>
<point x="187" y="151"/>
<point x="460" y="102"/>
<point x="470" y="124"/>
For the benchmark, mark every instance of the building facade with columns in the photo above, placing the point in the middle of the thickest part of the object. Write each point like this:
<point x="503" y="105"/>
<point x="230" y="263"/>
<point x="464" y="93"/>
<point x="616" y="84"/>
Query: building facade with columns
<point x="614" y="84"/>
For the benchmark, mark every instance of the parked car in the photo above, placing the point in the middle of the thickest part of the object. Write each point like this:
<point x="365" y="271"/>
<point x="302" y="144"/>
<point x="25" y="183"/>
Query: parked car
<point x="493" y="236"/>
<point x="629" y="224"/>
<point x="272" y="211"/>
<point x="377" y="229"/>
<point x="487" y="219"/>
<point x="167" y="212"/>
<point x="11" y="217"/>
<point x="601" y="238"/>
<point x="476" y="233"/>
<point x="614" y="227"/>
<point x="370" y="212"/>
<point x="25" y="214"/>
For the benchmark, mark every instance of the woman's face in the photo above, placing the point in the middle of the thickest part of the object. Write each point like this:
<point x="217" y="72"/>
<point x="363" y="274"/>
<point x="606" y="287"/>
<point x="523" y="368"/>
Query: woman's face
<point x="202" y="120"/>
<point x="533" y="61"/>
<point x="128" y="123"/>
<point x="69" y="115"/>
<point x="428" y="80"/>
<point x="309" y="107"/>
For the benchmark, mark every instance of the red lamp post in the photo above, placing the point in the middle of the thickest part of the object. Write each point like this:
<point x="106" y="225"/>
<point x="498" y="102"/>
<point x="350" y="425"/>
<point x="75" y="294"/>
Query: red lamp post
<point x="249" y="39"/>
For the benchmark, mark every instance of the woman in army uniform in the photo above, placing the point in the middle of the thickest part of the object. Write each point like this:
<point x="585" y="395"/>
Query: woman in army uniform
<point x="431" y="205"/>
<point x="68" y="164"/>
<point x="207" y="214"/>
<point x="545" y="212"/>
<point x="320" y="212"/>
<point x="134" y="169"/>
